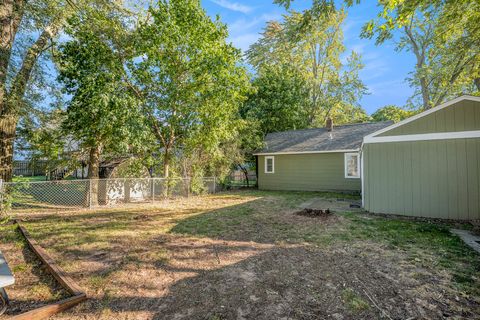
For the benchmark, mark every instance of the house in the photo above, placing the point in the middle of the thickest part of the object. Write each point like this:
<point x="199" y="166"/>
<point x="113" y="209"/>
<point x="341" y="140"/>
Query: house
<point x="425" y="166"/>
<point x="320" y="159"/>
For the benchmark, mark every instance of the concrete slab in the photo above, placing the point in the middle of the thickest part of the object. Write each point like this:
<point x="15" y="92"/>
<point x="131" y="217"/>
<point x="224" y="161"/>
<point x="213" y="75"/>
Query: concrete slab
<point x="470" y="239"/>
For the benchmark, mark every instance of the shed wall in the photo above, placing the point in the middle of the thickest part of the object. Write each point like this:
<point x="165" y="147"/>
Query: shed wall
<point x="308" y="172"/>
<point x="437" y="179"/>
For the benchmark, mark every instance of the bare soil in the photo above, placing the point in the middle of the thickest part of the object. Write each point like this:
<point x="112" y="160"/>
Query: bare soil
<point x="315" y="213"/>
<point x="241" y="256"/>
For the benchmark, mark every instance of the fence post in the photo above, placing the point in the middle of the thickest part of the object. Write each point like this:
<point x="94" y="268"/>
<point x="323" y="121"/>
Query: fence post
<point x="90" y="193"/>
<point x="1" y="193"/>
<point x="153" y="189"/>
<point x="214" y="184"/>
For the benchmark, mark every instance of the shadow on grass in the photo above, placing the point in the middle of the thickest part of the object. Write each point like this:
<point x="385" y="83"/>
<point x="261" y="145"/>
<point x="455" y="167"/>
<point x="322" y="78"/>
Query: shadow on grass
<point x="280" y="282"/>
<point x="131" y="251"/>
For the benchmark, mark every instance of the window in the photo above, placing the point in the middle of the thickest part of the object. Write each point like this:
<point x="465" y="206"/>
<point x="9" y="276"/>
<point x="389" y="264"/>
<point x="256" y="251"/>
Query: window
<point x="269" y="164"/>
<point x="352" y="165"/>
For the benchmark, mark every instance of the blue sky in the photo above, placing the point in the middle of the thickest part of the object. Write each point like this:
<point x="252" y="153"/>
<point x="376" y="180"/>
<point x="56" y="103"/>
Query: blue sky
<point x="385" y="69"/>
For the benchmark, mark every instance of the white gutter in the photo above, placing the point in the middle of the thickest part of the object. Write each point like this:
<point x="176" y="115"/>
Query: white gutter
<point x="304" y="152"/>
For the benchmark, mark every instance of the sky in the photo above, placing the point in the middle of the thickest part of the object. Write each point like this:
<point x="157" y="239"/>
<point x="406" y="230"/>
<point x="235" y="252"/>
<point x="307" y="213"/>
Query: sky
<point x="385" y="69"/>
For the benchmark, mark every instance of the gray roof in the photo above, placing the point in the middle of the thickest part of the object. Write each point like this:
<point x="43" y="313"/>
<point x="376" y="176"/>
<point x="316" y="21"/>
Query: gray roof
<point x="344" y="137"/>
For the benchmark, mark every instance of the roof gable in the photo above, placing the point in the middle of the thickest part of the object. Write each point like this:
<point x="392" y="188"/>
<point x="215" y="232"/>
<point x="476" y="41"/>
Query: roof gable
<point x="467" y="116"/>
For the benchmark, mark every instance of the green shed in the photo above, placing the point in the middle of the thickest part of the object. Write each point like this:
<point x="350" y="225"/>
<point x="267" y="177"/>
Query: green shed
<point x="427" y="165"/>
<point x="319" y="159"/>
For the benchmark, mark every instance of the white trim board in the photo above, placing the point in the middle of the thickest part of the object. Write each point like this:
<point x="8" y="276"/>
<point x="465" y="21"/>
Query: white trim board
<point x="424" y="137"/>
<point x="304" y="152"/>
<point x="423" y="114"/>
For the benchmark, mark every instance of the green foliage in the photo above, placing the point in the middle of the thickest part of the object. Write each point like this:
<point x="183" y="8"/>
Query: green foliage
<point x="313" y="50"/>
<point x="102" y="111"/>
<point x="190" y="81"/>
<point x="392" y="113"/>
<point x="444" y="37"/>
<point x="279" y="100"/>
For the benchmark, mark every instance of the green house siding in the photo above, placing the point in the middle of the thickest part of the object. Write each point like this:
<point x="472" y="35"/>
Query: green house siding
<point x="307" y="172"/>
<point x="461" y="116"/>
<point x="438" y="179"/>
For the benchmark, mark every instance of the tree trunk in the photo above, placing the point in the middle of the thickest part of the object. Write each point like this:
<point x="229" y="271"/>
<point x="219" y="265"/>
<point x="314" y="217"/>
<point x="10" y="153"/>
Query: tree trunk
<point x="425" y="93"/>
<point x="166" y="164"/>
<point x="7" y="136"/>
<point x="245" y="173"/>
<point x="93" y="168"/>
<point x="477" y="83"/>
<point x="11" y="102"/>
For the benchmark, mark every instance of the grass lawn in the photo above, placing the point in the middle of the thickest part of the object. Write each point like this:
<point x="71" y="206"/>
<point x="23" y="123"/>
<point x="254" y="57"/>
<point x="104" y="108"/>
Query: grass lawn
<point x="28" y="178"/>
<point x="247" y="255"/>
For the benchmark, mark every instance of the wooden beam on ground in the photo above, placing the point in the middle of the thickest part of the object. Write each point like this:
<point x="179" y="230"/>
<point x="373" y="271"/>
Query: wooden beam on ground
<point x="50" y="309"/>
<point x="65" y="281"/>
<point x="52" y="267"/>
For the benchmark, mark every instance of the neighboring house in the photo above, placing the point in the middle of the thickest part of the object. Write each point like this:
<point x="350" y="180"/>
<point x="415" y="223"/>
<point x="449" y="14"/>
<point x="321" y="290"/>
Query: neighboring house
<point x="425" y="166"/>
<point x="321" y="159"/>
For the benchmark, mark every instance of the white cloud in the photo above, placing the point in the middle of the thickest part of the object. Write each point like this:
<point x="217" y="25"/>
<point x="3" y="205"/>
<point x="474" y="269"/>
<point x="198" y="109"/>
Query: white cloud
<point x="244" y="32"/>
<point x="242" y="24"/>
<point x="234" y="6"/>
<point x="245" y="40"/>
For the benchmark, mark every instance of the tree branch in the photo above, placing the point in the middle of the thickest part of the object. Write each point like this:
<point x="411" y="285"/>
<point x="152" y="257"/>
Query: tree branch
<point x="22" y="77"/>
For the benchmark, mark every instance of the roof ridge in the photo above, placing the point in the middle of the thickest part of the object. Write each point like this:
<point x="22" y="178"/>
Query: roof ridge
<point x="334" y="126"/>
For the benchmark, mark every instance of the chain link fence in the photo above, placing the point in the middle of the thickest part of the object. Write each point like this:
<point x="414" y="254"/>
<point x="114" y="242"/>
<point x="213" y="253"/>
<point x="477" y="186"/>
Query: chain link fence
<point x="95" y="193"/>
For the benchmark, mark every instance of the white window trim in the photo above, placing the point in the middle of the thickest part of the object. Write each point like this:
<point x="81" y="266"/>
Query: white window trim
<point x="273" y="164"/>
<point x="346" y="155"/>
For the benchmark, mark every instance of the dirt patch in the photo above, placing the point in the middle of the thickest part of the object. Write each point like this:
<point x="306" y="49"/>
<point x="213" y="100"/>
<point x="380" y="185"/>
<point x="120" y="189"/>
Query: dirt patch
<point x="315" y="213"/>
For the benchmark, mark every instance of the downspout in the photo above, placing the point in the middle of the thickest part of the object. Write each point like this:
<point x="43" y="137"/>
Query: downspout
<point x="256" y="168"/>
<point x="361" y="176"/>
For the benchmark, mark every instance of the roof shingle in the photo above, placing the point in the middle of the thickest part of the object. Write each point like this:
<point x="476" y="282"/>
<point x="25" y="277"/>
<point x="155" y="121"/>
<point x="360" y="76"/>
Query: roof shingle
<point x="344" y="137"/>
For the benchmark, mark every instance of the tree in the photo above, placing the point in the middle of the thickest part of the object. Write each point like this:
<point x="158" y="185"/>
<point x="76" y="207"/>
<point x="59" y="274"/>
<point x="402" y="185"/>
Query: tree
<point x="442" y="70"/>
<point x="102" y="114"/>
<point x="279" y="100"/>
<point x="314" y="49"/>
<point x="189" y="80"/>
<point x="392" y="113"/>
<point x="19" y="54"/>
<point x="443" y="36"/>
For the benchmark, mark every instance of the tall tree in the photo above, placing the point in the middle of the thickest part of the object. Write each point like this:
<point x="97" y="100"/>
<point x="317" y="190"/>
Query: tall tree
<point x="443" y="69"/>
<point x="444" y="36"/>
<point x="445" y="43"/>
<point x="19" y="19"/>
<point x="102" y="113"/>
<point x="279" y="100"/>
<point x="315" y="50"/>
<point x="189" y="80"/>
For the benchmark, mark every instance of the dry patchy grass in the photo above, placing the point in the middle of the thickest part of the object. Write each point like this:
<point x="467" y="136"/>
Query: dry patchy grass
<point x="246" y="255"/>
